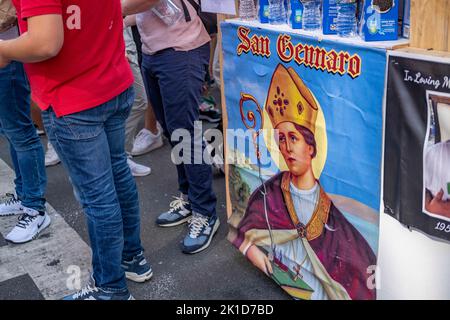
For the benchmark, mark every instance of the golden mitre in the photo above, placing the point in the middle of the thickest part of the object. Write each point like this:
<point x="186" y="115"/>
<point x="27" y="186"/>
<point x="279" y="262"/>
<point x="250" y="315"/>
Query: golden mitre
<point x="289" y="100"/>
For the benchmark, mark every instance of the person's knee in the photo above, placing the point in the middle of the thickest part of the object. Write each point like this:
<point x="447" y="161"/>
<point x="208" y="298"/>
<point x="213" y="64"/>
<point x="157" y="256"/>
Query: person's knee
<point x="105" y="219"/>
<point x="140" y="105"/>
<point x="97" y="198"/>
<point x="24" y="139"/>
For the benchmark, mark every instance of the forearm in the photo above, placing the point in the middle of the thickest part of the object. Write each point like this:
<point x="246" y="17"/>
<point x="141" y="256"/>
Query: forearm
<point x="136" y="6"/>
<point x="25" y="49"/>
<point x="43" y="40"/>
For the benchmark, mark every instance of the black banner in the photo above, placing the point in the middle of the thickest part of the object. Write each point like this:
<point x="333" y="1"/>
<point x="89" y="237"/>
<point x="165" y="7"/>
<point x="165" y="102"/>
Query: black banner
<point x="417" y="144"/>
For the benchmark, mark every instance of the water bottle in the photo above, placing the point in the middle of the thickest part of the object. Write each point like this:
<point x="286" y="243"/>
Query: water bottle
<point x="346" y="19"/>
<point x="168" y="12"/>
<point x="312" y="16"/>
<point x="247" y="10"/>
<point x="277" y="12"/>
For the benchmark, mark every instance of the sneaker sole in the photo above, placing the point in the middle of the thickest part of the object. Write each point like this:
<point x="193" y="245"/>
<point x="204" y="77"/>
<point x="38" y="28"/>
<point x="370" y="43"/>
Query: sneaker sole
<point x="35" y="236"/>
<point x="53" y="163"/>
<point x="141" y="174"/>
<point x="210" y="119"/>
<point x="138" y="278"/>
<point x="152" y="148"/>
<point x="173" y="224"/>
<point x="216" y="227"/>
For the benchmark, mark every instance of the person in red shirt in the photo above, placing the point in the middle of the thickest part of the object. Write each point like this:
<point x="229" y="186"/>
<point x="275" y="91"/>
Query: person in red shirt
<point x="74" y="56"/>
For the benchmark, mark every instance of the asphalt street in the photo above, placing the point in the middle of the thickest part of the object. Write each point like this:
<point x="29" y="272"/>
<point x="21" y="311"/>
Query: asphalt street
<point x="220" y="272"/>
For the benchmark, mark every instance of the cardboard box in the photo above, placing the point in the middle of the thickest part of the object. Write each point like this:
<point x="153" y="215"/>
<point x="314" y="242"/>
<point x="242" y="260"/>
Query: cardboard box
<point x="430" y="24"/>
<point x="379" y="20"/>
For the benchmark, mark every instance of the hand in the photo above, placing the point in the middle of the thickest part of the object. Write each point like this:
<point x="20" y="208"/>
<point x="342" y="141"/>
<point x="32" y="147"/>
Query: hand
<point x="438" y="206"/>
<point x="259" y="259"/>
<point x="128" y="58"/>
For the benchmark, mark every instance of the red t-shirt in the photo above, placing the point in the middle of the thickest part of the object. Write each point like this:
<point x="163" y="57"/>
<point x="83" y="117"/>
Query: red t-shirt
<point x="91" y="68"/>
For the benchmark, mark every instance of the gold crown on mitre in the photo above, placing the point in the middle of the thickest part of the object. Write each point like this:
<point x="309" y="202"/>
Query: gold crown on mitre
<point x="289" y="100"/>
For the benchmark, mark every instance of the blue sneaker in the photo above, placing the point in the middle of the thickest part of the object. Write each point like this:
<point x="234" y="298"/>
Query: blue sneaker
<point x="138" y="269"/>
<point x="201" y="231"/>
<point x="91" y="292"/>
<point x="179" y="213"/>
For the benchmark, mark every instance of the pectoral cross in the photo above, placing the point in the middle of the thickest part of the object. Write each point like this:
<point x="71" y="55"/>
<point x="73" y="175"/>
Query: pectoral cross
<point x="301" y="230"/>
<point x="298" y="269"/>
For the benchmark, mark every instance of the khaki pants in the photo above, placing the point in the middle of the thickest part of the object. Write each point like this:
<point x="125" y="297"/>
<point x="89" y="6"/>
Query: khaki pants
<point x="140" y="102"/>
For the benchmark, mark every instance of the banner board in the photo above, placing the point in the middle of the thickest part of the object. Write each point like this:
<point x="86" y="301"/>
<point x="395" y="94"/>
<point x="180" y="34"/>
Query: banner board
<point x="304" y="142"/>
<point x="417" y="143"/>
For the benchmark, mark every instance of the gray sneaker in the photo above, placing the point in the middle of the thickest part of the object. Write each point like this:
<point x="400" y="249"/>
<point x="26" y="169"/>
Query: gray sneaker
<point x="91" y="292"/>
<point x="179" y="213"/>
<point x="138" y="269"/>
<point x="201" y="231"/>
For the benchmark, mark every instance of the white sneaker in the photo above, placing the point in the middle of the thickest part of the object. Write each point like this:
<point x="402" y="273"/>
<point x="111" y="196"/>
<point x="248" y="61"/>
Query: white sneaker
<point x="138" y="170"/>
<point x="10" y="205"/>
<point x="146" y="141"/>
<point x="51" y="157"/>
<point x="30" y="224"/>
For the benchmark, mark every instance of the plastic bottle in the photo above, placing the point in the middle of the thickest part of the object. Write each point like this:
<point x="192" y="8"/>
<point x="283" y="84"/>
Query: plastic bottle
<point x="312" y="16"/>
<point x="168" y="12"/>
<point x="247" y="10"/>
<point x="346" y="19"/>
<point x="278" y="13"/>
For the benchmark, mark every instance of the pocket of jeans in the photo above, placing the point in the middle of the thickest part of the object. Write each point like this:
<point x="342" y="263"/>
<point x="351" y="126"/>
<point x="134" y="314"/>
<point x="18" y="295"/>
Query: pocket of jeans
<point x="127" y="102"/>
<point x="77" y="127"/>
<point x="130" y="96"/>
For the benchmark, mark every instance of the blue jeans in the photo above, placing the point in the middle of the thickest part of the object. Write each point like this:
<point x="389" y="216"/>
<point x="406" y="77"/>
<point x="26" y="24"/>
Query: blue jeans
<point x="26" y="149"/>
<point x="91" y="145"/>
<point x="174" y="80"/>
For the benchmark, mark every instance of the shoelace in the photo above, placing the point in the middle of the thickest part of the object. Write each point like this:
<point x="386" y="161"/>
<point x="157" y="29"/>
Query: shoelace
<point x="196" y="224"/>
<point x="10" y="199"/>
<point x="177" y="204"/>
<point x="85" y="291"/>
<point x="25" y="220"/>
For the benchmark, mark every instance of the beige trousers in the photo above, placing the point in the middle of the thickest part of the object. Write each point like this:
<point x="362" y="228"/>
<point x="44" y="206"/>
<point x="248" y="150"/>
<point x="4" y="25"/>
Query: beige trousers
<point x="140" y="102"/>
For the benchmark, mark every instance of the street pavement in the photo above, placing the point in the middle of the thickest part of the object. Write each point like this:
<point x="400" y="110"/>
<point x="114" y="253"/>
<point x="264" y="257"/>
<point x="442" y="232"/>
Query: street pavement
<point x="44" y="268"/>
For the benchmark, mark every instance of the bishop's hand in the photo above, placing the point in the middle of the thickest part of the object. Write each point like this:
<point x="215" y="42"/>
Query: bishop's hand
<point x="259" y="259"/>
